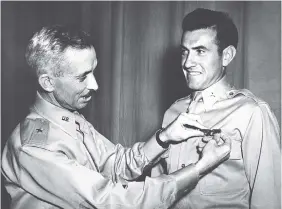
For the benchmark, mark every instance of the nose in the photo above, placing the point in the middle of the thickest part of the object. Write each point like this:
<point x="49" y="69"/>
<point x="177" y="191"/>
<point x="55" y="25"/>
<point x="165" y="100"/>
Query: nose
<point x="188" y="61"/>
<point x="92" y="83"/>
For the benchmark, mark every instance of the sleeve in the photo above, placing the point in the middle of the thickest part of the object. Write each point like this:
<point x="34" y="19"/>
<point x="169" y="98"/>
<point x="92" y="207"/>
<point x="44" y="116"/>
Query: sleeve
<point x="261" y="153"/>
<point x="121" y="163"/>
<point x="161" y="167"/>
<point x="51" y="176"/>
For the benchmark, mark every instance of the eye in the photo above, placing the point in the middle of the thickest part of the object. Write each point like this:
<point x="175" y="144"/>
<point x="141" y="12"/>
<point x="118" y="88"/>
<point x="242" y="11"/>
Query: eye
<point x="184" y="52"/>
<point x="81" y="79"/>
<point x="201" y="51"/>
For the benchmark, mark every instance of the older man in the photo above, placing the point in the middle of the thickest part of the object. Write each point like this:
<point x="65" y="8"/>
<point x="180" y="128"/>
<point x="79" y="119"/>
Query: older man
<point x="56" y="159"/>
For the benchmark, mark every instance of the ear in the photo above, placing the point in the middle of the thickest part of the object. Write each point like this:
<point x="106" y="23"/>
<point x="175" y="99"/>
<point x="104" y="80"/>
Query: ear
<point x="227" y="55"/>
<point x="46" y="82"/>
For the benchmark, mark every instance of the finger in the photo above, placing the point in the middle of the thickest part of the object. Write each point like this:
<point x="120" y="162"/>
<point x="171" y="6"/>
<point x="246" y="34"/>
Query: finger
<point x="216" y="137"/>
<point x="227" y="140"/>
<point x="193" y="133"/>
<point x="193" y="130"/>
<point x="206" y="139"/>
<point x="191" y="115"/>
<point x="224" y="137"/>
<point x="201" y="144"/>
<point x="210" y="145"/>
<point x="199" y="149"/>
<point x="192" y="124"/>
<point x="226" y="146"/>
<point x="193" y="120"/>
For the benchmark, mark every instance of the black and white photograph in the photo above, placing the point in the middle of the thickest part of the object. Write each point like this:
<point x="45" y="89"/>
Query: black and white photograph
<point x="141" y="104"/>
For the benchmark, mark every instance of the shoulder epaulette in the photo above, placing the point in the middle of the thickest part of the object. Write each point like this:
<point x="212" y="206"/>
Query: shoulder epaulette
<point x="34" y="131"/>
<point x="249" y="94"/>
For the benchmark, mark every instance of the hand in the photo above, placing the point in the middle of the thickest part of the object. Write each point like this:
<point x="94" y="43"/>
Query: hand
<point x="203" y="142"/>
<point x="214" y="153"/>
<point x="176" y="132"/>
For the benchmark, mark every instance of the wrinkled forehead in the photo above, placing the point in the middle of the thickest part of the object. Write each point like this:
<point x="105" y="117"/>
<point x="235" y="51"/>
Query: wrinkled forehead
<point x="79" y="55"/>
<point x="80" y="60"/>
<point x="199" y="37"/>
<point x="74" y="56"/>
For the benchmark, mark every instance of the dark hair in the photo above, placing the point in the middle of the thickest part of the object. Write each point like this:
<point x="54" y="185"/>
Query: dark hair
<point x="227" y="33"/>
<point x="45" y="48"/>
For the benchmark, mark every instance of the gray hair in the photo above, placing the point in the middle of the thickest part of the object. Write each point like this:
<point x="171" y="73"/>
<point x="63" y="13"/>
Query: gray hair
<point x="44" y="52"/>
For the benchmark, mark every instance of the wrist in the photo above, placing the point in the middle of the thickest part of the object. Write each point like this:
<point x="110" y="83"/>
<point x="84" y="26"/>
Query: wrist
<point x="162" y="139"/>
<point x="186" y="178"/>
<point x="201" y="168"/>
<point x="163" y="136"/>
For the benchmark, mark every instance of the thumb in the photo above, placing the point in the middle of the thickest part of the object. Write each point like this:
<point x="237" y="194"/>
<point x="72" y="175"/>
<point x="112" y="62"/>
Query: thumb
<point x="226" y="146"/>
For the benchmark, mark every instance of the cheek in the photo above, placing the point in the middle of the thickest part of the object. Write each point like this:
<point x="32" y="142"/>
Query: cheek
<point x="79" y="90"/>
<point x="212" y="66"/>
<point x="182" y="61"/>
<point x="68" y="89"/>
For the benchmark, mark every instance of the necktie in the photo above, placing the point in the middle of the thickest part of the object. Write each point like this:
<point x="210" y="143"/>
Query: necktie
<point x="86" y="136"/>
<point x="197" y="104"/>
<point x="81" y="125"/>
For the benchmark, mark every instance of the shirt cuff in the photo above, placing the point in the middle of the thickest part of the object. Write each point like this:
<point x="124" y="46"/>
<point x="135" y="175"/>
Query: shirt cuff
<point x="153" y="151"/>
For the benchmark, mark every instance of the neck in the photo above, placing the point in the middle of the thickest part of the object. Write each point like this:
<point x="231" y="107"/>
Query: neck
<point x="49" y="96"/>
<point x="222" y="81"/>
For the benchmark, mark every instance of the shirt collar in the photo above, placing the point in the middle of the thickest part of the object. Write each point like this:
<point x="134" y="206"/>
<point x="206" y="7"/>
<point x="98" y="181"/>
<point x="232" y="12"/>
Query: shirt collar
<point x="214" y="93"/>
<point x="61" y="117"/>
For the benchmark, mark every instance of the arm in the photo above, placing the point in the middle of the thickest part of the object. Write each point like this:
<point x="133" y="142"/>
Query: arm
<point x="119" y="162"/>
<point x="52" y="177"/>
<point x="261" y="153"/>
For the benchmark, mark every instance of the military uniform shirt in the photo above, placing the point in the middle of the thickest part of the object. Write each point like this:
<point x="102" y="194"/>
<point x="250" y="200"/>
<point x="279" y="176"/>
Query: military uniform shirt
<point x="47" y="164"/>
<point x="250" y="178"/>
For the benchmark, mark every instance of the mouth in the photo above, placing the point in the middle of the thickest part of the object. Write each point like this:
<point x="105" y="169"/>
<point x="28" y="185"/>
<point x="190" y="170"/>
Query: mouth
<point x="87" y="97"/>
<point x="194" y="73"/>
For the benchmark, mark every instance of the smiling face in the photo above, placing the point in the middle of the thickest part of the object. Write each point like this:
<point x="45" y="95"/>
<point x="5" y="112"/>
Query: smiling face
<point x="74" y="88"/>
<point x="201" y="62"/>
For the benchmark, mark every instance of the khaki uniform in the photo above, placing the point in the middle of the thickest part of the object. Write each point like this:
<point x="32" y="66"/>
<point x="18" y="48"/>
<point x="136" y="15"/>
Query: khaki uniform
<point x="250" y="178"/>
<point x="56" y="159"/>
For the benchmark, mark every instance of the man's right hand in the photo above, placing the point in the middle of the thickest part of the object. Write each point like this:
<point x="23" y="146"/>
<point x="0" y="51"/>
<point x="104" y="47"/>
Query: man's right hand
<point x="177" y="132"/>
<point x="213" y="154"/>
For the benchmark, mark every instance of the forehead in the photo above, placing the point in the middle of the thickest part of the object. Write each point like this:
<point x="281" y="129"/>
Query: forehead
<point x="204" y="37"/>
<point x="80" y="60"/>
<point x="74" y="55"/>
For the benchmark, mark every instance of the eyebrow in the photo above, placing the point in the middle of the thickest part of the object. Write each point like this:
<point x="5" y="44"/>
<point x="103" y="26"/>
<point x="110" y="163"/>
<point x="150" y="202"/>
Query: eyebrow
<point x="195" y="48"/>
<point x="84" y="74"/>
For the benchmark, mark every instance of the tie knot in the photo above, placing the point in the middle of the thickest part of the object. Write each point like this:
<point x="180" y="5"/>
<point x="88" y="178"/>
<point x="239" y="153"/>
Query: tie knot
<point x="198" y="96"/>
<point x="79" y="119"/>
<point x="196" y="104"/>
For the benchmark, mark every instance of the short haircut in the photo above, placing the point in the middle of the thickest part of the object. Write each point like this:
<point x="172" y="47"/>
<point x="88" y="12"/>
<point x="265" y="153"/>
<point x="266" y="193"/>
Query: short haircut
<point x="45" y="49"/>
<point x="226" y="31"/>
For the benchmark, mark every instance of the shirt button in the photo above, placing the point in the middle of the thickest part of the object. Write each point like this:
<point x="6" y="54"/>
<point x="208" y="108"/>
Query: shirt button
<point x="183" y="165"/>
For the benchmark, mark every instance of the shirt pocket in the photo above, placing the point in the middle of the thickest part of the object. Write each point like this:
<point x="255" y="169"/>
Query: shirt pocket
<point x="227" y="178"/>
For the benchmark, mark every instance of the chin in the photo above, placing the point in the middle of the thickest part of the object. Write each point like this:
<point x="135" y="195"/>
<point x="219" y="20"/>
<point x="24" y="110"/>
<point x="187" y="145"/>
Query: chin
<point x="81" y="106"/>
<point x="193" y="87"/>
